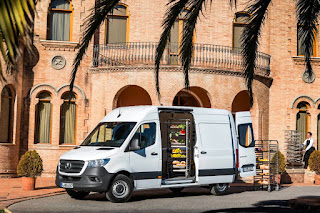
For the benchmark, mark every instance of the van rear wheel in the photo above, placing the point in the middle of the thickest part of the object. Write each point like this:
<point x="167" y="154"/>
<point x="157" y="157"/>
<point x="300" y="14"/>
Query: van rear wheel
<point x="176" y="190"/>
<point x="120" y="189"/>
<point x="77" y="194"/>
<point x="219" y="189"/>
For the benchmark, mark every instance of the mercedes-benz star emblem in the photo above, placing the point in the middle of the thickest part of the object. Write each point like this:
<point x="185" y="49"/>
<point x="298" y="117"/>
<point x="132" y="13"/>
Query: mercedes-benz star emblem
<point x="68" y="166"/>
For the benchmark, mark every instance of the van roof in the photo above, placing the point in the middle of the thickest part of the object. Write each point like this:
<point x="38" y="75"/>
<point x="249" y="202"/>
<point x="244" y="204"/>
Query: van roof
<point x="139" y="113"/>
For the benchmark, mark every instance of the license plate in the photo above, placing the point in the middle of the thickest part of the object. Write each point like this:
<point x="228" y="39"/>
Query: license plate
<point x="248" y="169"/>
<point x="67" y="185"/>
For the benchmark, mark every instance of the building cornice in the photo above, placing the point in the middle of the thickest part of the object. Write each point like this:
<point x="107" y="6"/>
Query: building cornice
<point x="59" y="45"/>
<point x="267" y="80"/>
<point x="299" y="60"/>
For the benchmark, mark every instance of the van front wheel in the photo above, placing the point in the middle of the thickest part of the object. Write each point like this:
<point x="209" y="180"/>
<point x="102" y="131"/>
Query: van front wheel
<point x="120" y="189"/>
<point x="219" y="189"/>
<point x="77" y="194"/>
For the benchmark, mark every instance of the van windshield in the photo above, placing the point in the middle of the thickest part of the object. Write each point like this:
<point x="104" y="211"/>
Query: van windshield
<point x="111" y="134"/>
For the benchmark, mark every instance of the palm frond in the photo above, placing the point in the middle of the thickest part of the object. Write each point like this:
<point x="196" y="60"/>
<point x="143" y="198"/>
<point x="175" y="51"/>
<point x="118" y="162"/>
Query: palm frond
<point x="250" y="39"/>
<point x="175" y="8"/>
<point x="15" y="26"/>
<point x="307" y="16"/>
<point x="186" y="49"/>
<point x="92" y="23"/>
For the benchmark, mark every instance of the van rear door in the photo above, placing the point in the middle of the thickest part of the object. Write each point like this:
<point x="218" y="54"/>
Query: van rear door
<point x="246" y="144"/>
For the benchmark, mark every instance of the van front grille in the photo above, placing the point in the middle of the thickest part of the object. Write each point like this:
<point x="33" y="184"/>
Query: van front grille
<point x="71" y="166"/>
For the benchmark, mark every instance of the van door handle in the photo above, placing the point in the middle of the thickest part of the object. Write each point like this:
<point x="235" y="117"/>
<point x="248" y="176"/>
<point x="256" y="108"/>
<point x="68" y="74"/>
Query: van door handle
<point x="154" y="153"/>
<point x="203" y="152"/>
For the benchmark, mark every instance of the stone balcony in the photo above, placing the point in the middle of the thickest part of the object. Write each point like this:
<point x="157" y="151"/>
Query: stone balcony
<point x="206" y="56"/>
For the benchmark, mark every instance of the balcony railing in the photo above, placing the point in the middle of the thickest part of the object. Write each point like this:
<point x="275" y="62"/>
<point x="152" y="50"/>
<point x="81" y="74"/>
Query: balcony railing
<point x="204" y="55"/>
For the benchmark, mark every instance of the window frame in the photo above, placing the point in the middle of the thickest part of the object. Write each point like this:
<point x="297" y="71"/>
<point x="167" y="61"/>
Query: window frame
<point x="252" y="144"/>
<point x="70" y="11"/>
<point x="239" y="24"/>
<point x="180" y="20"/>
<point x="36" y="116"/>
<point x="315" y="44"/>
<point x="127" y="16"/>
<point x="76" y="120"/>
<point x="139" y="126"/>
<point x="11" y="114"/>
<point x="307" y="113"/>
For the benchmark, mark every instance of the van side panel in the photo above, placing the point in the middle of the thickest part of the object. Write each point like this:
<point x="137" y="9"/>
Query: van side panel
<point x="216" y="151"/>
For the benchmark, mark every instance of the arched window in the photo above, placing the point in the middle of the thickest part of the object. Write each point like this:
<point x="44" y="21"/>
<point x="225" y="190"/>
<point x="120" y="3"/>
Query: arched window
<point x="68" y="119"/>
<point x="117" y="25"/>
<point x="6" y="115"/>
<point x="43" y="118"/>
<point x="60" y="20"/>
<point x="241" y="20"/>
<point x="303" y="119"/>
<point x="186" y="98"/>
<point x="300" y="50"/>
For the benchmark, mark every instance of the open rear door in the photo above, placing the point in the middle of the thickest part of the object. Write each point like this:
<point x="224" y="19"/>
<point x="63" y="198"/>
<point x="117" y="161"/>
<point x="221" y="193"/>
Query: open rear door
<point x="247" y="155"/>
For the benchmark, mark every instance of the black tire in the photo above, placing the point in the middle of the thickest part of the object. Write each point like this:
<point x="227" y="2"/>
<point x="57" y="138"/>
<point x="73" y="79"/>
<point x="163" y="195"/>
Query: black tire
<point x="219" y="189"/>
<point x="77" y="194"/>
<point x="176" y="190"/>
<point x="120" y="189"/>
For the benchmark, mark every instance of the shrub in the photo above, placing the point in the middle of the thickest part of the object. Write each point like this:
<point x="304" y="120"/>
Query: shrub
<point x="314" y="162"/>
<point x="30" y="165"/>
<point x="282" y="163"/>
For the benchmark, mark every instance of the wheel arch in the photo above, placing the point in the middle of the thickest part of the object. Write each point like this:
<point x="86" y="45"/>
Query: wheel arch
<point x="121" y="172"/>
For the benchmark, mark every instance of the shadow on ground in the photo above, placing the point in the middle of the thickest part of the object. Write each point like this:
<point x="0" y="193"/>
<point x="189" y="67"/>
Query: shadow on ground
<point x="166" y="193"/>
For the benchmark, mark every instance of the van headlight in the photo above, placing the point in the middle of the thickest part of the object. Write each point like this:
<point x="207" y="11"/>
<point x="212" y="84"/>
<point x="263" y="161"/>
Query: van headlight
<point x="98" y="163"/>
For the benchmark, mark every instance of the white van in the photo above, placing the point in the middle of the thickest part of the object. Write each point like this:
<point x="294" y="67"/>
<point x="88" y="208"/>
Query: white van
<point x="152" y="147"/>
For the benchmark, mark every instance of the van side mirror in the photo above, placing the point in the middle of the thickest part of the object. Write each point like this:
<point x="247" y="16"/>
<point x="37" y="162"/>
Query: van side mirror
<point x="134" y="144"/>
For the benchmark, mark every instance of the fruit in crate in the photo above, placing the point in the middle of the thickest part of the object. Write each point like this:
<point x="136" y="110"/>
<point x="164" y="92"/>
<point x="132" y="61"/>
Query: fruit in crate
<point x="182" y="132"/>
<point x="174" y="141"/>
<point x="178" y="156"/>
<point x="177" y="150"/>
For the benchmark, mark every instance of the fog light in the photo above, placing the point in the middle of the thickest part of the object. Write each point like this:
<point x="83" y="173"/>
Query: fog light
<point x="94" y="179"/>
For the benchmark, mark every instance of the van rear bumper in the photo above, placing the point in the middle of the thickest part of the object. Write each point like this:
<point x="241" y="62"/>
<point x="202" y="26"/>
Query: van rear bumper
<point x="91" y="180"/>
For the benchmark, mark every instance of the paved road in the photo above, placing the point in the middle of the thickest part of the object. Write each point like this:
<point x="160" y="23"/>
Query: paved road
<point x="240" y="199"/>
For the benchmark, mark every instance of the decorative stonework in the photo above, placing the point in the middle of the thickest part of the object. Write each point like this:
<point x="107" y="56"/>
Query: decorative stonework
<point x="59" y="45"/>
<point x="308" y="79"/>
<point x="58" y="62"/>
<point x="94" y="70"/>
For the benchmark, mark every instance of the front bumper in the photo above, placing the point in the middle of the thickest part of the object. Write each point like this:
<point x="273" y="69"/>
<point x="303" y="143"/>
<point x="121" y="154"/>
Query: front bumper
<point x="92" y="180"/>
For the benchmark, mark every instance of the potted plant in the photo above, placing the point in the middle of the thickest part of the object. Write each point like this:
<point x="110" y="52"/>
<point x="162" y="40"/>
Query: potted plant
<point x="314" y="163"/>
<point x="281" y="163"/>
<point x="29" y="168"/>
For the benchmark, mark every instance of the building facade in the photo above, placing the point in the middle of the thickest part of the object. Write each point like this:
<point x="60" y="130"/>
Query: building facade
<point x="118" y="70"/>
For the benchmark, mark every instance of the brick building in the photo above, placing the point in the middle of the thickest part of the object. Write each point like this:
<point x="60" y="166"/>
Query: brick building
<point x="118" y="70"/>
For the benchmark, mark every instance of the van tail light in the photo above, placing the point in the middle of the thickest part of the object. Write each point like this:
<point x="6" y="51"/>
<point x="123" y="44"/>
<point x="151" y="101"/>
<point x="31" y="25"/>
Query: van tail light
<point x="237" y="158"/>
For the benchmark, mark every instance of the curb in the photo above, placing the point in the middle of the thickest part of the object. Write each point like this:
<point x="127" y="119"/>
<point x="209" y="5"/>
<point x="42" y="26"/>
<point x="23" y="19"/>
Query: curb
<point x="7" y="211"/>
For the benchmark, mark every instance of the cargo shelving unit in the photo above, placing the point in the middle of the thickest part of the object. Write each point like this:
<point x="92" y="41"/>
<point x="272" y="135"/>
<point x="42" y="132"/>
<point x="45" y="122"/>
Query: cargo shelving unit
<point x="267" y="177"/>
<point x="179" y="147"/>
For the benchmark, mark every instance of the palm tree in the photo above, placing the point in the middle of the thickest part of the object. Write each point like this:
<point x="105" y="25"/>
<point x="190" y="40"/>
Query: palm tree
<point x="16" y="20"/>
<point x="307" y="15"/>
<point x="307" y="12"/>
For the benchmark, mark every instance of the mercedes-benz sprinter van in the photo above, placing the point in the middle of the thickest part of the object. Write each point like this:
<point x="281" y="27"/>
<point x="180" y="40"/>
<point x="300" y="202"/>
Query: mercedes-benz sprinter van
<point x="152" y="147"/>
